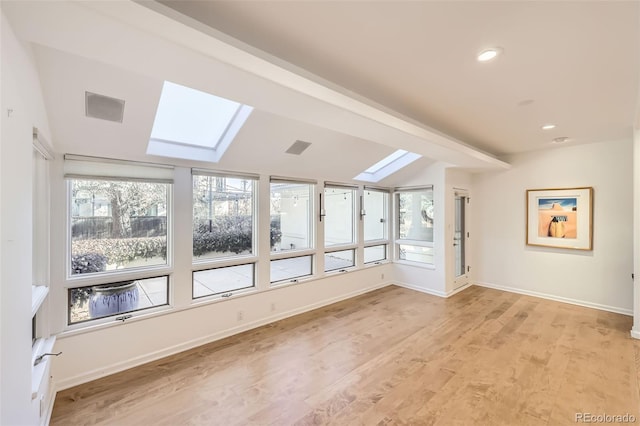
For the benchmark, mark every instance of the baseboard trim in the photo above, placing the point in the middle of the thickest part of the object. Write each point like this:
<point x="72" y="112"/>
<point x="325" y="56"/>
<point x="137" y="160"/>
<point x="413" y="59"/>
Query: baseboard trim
<point x="635" y="334"/>
<point x="431" y="291"/>
<point x="172" y="350"/>
<point x="584" y="303"/>
<point x="421" y="289"/>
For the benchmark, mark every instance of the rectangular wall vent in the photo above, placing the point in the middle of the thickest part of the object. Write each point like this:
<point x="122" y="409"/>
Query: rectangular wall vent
<point x="104" y="107"/>
<point x="298" y="147"/>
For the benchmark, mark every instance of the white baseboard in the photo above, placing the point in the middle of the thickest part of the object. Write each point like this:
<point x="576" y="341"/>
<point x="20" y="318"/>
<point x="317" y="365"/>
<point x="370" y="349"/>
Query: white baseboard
<point x="432" y="291"/>
<point x="172" y="350"/>
<point x="421" y="289"/>
<point x="584" y="303"/>
<point x="635" y="334"/>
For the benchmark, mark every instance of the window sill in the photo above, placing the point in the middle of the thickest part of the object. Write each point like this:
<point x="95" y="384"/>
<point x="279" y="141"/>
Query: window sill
<point x="416" y="264"/>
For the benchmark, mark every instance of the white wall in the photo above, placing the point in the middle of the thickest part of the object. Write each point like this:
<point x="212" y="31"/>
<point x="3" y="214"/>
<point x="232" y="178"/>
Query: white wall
<point x="20" y="93"/>
<point x="90" y="355"/>
<point x="428" y="279"/>
<point x="600" y="278"/>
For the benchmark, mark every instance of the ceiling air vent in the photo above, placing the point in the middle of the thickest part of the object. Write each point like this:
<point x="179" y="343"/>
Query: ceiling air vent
<point x="298" y="147"/>
<point x="104" y="107"/>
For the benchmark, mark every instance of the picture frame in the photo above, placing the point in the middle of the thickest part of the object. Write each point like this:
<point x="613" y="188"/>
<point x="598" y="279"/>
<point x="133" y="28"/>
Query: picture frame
<point x="560" y="218"/>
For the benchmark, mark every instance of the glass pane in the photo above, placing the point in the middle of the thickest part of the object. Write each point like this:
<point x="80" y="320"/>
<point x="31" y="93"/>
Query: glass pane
<point x="117" y="225"/>
<point x="290" y="216"/>
<point x="291" y="268"/>
<point x="458" y="237"/>
<point x="339" y="260"/>
<point x="375" y="253"/>
<point x="416" y="215"/>
<point x="375" y="220"/>
<point x="99" y="301"/>
<point x="222" y="217"/>
<point x="222" y="280"/>
<point x="416" y="254"/>
<point x="338" y="222"/>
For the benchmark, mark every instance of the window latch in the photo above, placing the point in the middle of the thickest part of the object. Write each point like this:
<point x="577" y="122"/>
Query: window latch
<point x="40" y="358"/>
<point x="123" y="318"/>
<point x="227" y="295"/>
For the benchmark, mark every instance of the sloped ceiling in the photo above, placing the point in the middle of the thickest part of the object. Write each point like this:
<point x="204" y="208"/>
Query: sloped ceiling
<point x="575" y="64"/>
<point x="343" y="71"/>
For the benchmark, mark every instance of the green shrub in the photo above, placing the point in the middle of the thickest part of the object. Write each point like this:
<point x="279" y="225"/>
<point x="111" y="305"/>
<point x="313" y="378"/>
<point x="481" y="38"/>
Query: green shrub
<point x="228" y="234"/>
<point x="119" y="251"/>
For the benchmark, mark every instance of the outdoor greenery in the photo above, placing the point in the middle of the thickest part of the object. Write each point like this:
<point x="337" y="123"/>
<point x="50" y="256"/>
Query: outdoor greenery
<point x="228" y="234"/>
<point x="117" y="251"/>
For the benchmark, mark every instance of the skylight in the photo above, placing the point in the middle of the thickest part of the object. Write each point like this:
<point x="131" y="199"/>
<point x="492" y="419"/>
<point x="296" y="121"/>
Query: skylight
<point x="194" y="125"/>
<point x="387" y="166"/>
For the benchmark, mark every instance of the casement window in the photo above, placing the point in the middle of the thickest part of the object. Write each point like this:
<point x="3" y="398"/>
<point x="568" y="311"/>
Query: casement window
<point x="375" y="212"/>
<point x="415" y="220"/>
<point x="119" y="226"/>
<point x="292" y="231"/>
<point x="224" y="233"/>
<point x="339" y="217"/>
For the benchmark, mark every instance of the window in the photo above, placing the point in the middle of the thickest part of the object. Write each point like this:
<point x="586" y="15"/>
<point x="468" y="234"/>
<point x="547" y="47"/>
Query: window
<point x="223" y="223"/>
<point x="223" y="280"/>
<point x="388" y="165"/>
<point x="195" y="125"/>
<point x="338" y="260"/>
<point x="99" y="301"/>
<point x="119" y="229"/>
<point x="375" y="210"/>
<point x="339" y="216"/>
<point x="292" y="245"/>
<point x="415" y="225"/>
<point x="339" y="227"/>
<point x="291" y="268"/>
<point x="117" y="225"/>
<point x="224" y="230"/>
<point x="373" y="254"/>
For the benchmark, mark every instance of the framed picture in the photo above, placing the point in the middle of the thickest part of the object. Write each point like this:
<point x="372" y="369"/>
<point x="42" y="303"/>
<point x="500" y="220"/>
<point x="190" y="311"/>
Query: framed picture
<point x="560" y="218"/>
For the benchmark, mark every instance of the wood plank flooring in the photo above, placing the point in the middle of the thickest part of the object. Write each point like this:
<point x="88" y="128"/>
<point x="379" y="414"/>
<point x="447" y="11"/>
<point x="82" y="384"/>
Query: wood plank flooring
<point x="389" y="357"/>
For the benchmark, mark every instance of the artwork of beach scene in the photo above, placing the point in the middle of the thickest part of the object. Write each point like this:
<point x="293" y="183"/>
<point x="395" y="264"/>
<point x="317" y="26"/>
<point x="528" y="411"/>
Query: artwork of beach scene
<point x="557" y="217"/>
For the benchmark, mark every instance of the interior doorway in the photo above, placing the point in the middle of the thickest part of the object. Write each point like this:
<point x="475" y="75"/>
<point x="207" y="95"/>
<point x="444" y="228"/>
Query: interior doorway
<point x="460" y="239"/>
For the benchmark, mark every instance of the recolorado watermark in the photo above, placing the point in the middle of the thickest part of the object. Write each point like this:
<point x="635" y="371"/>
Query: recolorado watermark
<point x="605" y="418"/>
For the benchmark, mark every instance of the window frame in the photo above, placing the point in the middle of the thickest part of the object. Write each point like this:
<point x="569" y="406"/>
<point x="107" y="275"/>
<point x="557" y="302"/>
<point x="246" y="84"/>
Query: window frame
<point x="356" y="228"/>
<point x="79" y="168"/>
<point x="312" y="228"/>
<point x="204" y="264"/>
<point x="398" y="241"/>
<point x="387" y="208"/>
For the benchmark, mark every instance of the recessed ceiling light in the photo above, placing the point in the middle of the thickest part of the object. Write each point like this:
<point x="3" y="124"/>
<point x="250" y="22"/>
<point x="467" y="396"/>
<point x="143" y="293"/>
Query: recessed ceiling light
<point x="548" y="126"/>
<point x="561" y="139"/>
<point x="489" y="54"/>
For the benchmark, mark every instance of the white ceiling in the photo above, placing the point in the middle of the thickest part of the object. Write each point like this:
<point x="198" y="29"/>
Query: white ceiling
<point x="352" y="52"/>
<point x="577" y="61"/>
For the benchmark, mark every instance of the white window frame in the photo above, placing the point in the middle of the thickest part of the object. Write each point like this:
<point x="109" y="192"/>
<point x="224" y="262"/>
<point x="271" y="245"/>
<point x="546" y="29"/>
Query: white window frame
<point x="93" y="168"/>
<point x="312" y="250"/>
<point x="388" y="215"/>
<point x="356" y="232"/>
<point x="206" y="264"/>
<point x="406" y="241"/>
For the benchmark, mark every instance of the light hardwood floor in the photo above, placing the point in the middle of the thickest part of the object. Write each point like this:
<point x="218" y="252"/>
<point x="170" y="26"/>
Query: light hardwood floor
<point x="392" y="356"/>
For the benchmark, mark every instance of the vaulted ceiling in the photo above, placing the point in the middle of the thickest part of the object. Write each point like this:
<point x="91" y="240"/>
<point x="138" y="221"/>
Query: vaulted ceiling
<point x="574" y="64"/>
<point x="356" y="79"/>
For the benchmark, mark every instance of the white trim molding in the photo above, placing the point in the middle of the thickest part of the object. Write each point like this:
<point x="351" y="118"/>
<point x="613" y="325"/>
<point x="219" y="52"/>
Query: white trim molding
<point x="586" y="304"/>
